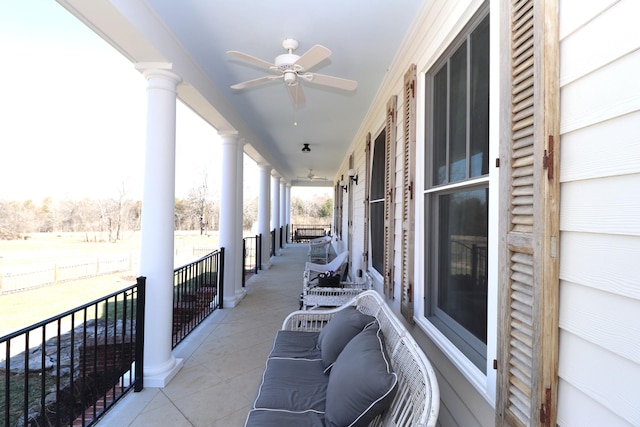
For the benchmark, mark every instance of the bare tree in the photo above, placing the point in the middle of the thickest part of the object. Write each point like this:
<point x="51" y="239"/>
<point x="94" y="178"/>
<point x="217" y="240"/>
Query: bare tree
<point x="200" y="207"/>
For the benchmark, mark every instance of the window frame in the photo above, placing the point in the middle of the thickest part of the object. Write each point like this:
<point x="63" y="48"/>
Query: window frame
<point x="484" y="383"/>
<point x="378" y="232"/>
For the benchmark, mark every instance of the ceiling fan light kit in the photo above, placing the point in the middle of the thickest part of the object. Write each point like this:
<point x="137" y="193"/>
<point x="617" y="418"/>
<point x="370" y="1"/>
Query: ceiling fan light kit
<point x="293" y="68"/>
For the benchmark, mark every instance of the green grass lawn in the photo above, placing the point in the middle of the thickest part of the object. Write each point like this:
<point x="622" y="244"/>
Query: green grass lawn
<point x="25" y="308"/>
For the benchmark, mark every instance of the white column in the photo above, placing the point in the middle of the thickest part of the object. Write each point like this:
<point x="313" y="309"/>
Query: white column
<point x="239" y="290"/>
<point x="264" y="205"/>
<point x="157" y="223"/>
<point x="229" y="215"/>
<point x="287" y="205"/>
<point x="275" y="210"/>
<point x="283" y="210"/>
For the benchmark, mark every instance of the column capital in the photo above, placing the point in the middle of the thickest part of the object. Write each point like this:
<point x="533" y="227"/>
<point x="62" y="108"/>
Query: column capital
<point x="230" y="133"/>
<point x="161" y="70"/>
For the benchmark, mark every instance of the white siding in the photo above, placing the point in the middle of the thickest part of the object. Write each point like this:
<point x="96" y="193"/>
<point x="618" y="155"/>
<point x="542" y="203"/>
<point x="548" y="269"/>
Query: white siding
<point x="599" y="366"/>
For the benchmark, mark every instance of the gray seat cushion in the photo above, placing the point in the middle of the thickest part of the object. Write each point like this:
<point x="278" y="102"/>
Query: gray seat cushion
<point x="362" y="384"/>
<point x="278" y="418"/>
<point x="296" y="344"/>
<point x="343" y="326"/>
<point x="293" y="385"/>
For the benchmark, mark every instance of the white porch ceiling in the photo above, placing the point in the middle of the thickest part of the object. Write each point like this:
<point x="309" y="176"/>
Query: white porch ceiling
<point x="194" y="35"/>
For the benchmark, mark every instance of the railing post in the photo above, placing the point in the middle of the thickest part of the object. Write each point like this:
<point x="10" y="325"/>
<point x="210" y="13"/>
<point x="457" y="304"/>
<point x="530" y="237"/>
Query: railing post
<point x="272" y="248"/>
<point x="258" y="252"/>
<point x="221" y="278"/>
<point x="244" y="260"/>
<point x="139" y="357"/>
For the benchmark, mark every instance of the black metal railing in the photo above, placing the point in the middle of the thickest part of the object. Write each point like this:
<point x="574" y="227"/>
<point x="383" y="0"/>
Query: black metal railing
<point x="71" y="368"/>
<point x="197" y="292"/>
<point x="469" y="259"/>
<point x="252" y="256"/>
<point x="272" y="247"/>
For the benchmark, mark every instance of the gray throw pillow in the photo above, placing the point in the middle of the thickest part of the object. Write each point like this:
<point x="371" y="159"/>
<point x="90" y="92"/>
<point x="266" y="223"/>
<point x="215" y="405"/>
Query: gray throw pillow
<point x="343" y="326"/>
<point x="361" y="384"/>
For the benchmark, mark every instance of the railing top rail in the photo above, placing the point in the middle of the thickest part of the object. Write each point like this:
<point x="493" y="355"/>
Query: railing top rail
<point x="65" y="314"/>
<point x="209" y="255"/>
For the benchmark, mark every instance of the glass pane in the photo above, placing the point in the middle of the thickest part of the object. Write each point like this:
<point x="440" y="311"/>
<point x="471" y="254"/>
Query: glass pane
<point x="458" y="115"/>
<point x="377" y="236"/>
<point x="480" y="99"/>
<point x="440" y="127"/>
<point x="462" y="259"/>
<point x="377" y="167"/>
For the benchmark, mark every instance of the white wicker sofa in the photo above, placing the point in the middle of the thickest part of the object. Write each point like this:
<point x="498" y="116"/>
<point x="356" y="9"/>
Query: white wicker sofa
<point x="355" y="365"/>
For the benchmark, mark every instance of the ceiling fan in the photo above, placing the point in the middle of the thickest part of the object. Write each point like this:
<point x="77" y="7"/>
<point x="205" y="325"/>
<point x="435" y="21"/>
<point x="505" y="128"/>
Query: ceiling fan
<point x="293" y="68"/>
<point x="312" y="176"/>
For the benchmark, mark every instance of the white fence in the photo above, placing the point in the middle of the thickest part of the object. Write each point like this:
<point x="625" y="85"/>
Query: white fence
<point x="19" y="278"/>
<point x="33" y="276"/>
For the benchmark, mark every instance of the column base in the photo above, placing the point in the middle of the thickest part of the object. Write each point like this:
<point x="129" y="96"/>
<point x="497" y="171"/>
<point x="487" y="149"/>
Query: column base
<point x="266" y="266"/>
<point x="235" y="300"/>
<point x="161" y="378"/>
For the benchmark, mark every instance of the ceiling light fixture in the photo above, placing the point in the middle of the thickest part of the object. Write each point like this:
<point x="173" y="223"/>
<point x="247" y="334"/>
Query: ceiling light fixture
<point x="306" y="149"/>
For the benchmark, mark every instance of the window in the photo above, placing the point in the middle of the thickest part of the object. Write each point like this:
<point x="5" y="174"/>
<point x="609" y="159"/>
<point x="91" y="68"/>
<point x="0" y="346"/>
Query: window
<point x="457" y="191"/>
<point x="377" y="201"/>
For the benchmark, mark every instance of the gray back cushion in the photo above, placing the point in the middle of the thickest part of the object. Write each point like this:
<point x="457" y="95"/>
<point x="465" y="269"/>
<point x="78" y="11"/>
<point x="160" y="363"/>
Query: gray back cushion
<point x="342" y="327"/>
<point x="362" y="383"/>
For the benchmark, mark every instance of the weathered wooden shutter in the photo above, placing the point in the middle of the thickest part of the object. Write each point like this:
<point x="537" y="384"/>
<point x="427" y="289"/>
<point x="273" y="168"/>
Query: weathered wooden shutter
<point x="529" y="214"/>
<point x="337" y="219"/>
<point x="367" y="198"/>
<point x="389" y="204"/>
<point x="408" y="179"/>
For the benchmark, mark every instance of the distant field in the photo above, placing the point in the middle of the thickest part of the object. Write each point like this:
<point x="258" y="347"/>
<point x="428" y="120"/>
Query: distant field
<point x="39" y="247"/>
<point x="21" y="309"/>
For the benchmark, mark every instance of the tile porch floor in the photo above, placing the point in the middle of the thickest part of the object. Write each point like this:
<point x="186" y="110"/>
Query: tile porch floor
<point x="223" y="358"/>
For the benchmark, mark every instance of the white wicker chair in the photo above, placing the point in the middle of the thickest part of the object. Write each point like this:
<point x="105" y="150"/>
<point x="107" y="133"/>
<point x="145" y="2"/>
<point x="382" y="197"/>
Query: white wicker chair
<point x="319" y="249"/>
<point x="314" y="296"/>
<point x="337" y="265"/>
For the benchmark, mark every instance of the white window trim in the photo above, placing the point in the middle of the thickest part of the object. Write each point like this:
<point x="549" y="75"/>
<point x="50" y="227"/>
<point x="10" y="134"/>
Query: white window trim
<point x="485" y="384"/>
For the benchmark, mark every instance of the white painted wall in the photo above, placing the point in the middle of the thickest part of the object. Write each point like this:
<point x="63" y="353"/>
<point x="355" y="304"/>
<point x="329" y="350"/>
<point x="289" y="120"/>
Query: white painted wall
<point x="600" y="214"/>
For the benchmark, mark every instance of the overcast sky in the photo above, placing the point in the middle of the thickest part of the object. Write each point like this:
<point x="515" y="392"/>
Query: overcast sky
<point x="73" y="111"/>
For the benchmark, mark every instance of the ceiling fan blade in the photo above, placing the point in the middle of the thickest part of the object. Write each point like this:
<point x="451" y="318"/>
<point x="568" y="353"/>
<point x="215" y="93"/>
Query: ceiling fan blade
<point x="336" y="82"/>
<point x="246" y="57"/>
<point x="312" y="57"/>
<point x="297" y="94"/>
<point x="254" y="82"/>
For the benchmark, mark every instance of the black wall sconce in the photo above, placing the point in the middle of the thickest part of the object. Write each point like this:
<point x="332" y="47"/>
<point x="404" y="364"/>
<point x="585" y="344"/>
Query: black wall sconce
<point x="343" y="183"/>
<point x="353" y="175"/>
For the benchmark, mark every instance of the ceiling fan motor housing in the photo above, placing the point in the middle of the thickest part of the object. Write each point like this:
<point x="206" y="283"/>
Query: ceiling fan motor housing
<point x="290" y="78"/>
